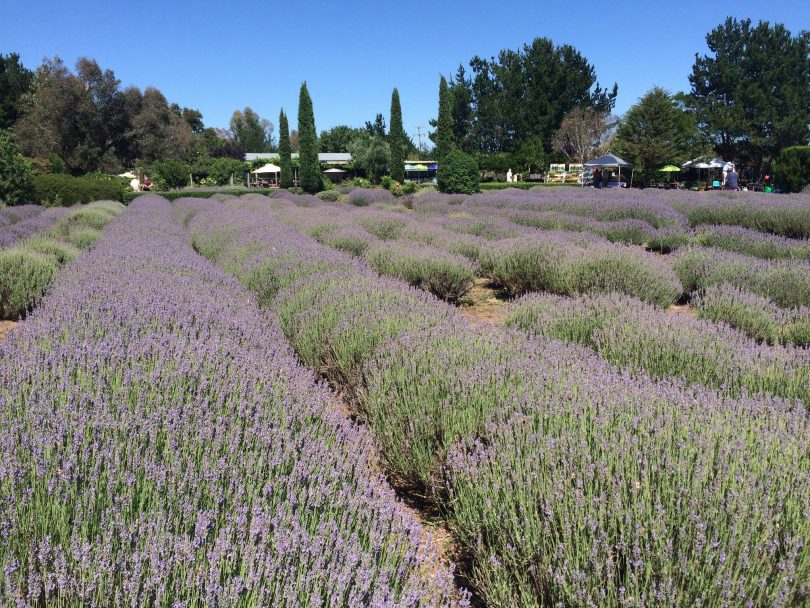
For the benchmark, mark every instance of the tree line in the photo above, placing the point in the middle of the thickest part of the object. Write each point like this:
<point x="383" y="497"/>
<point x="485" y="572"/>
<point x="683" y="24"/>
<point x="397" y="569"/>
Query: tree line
<point x="749" y="101"/>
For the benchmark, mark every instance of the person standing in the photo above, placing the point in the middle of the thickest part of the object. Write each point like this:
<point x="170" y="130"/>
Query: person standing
<point x="597" y="178"/>
<point x="509" y="176"/>
<point x="732" y="179"/>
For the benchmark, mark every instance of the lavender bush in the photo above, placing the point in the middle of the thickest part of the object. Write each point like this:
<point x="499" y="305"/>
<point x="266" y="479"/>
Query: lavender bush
<point x="565" y="481"/>
<point x="443" y="274"/>
<point x="161" y="446"/>
<point x="785" y="282"/>
<point x="752" y="242"/>
<point x="555" y="263"/>
<point x="633" y="334"/>
<point x="754" y="315"/>
<point x="30" y="224"/>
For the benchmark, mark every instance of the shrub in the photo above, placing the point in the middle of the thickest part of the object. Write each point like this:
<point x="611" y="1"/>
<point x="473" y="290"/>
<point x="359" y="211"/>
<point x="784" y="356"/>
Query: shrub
<point x="633" y="334"/>
<point x="65" y="190"/>
<point x="16" y="173"/>
<point x="612" y="268"/>
<point x="754" y="315"/>
<point x="791" y="168"/>
<point x="83" y="237"/>
<point x="170" y="174"/>
<point x="24" y="275"/>
<point x="458" y="174"/>
<point x="445" y="275"/>
<point x="785" y="282"/>
<point x="61" y="251"/>
<point x="752" y="242"/>
<point x="222" y="170"/>
<point x="328" y="195"/>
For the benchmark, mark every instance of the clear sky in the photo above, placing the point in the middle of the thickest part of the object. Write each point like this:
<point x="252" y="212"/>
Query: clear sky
<point x="222" y="56"/>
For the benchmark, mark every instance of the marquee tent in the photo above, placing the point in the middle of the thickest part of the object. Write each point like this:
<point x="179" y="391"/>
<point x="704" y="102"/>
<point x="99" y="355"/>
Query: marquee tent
<point x="610" y="161"/>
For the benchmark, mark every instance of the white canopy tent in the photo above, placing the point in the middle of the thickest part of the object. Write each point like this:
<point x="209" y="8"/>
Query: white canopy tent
<point x="610" y="161"/>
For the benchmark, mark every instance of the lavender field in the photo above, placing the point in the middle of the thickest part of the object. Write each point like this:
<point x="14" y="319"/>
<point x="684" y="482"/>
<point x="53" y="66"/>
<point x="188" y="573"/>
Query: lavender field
<point x="287" y="400"/>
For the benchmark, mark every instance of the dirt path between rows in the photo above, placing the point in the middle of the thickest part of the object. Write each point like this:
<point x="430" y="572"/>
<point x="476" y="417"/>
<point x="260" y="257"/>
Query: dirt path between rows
<point x="483" y="304"/>
<point x="5" y="327"/>
<point x="682" y="309"/>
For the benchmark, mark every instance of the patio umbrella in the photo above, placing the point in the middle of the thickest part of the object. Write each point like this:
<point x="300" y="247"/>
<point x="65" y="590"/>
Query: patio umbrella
<point x="669" y="169"/>
<point x="701" y="164"/>
<point x="268" y="168"/>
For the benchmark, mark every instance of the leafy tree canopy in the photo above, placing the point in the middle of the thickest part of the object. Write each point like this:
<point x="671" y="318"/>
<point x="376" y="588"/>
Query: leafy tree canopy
<point x="752" y="91"/>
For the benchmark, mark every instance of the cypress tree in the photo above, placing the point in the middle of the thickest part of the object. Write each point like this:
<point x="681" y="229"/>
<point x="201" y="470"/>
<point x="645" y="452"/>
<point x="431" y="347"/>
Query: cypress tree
<point x="284" y="157"/>
<point x="309" y="166"/>
<point x="396" y="139"/>
<point x="444" y="128"/>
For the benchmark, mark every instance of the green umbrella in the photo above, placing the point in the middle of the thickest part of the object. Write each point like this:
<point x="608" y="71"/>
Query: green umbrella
<point x="669" y="169"/>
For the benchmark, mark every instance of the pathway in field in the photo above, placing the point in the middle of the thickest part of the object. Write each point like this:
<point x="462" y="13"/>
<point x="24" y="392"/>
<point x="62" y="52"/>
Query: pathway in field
<point x="483" y="304"/>
<point x="5" y="327"/>
<point x="682" y="309"/>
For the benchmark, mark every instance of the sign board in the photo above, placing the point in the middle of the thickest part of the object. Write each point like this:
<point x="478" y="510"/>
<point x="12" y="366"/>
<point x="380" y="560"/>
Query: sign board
<point x="556" y="167"/>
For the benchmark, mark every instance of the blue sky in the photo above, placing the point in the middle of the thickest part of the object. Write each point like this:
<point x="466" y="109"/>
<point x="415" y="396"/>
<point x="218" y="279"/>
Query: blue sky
<point x="220" y="56"/>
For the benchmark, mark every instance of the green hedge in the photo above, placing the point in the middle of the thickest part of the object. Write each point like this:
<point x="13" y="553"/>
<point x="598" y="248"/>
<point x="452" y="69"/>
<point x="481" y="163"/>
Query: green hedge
<point x="61" y="190"/>
<point x="173" y="195"/>
<point x="520" y="185"/>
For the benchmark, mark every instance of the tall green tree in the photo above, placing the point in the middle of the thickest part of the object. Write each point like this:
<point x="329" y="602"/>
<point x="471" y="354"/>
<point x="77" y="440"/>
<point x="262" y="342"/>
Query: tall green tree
<point x="444" y="123"/>
<point x="160" y="133"/>
<point x="253" y="133"/>
<point x="284" y="154"/>
<point x="309" y="165"/>
<point x="655" y="132"/>
<point x="461" y="90"/>
<point x="338" y="139"/>
<point x="15" y="81"/>
<point x="396" y="139"/>
<point x="16" y="173"/>
<point x="752" y="92"/>
<point x="372" y="154"/>
<point x="377" y="127"/>
<point x="524" y="94"/>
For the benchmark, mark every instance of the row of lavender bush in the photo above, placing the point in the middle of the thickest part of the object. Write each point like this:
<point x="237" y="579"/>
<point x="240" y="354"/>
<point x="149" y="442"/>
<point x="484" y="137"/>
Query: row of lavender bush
<point x="565" y="481"/>
<point x="27" y="268"/>
<point x="754" y="315"/>
<point x="785" y="282"/>
<point x="428" y="254"/>
<point x="18" y="223"/>
<point x="161" y="446"/>
<point x="633" y="334"/>
<point x="784" y="215"/>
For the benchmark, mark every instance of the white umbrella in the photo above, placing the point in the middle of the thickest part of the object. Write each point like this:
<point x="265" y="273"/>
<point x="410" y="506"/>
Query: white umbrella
<point x="268" y="168"/>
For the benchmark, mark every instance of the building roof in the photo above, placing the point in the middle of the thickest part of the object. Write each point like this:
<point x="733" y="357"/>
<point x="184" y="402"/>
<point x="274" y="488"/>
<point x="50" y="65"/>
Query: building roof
<point x="332" y="158"/>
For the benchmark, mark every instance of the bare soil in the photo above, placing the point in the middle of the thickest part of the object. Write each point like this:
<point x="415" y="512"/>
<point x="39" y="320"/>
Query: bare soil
<point x="682" y="309"/>
<point x="483" y="304"/>
<point x="5" y="327"/>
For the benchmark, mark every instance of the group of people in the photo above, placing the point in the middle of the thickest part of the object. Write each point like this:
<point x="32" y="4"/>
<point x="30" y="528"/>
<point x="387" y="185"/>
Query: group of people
<point x="140" y="186"/>
<point x="513" y="177"/>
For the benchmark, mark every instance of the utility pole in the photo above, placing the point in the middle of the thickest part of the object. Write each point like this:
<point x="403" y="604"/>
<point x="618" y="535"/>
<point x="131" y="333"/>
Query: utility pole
<point x="419" y="137"/>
